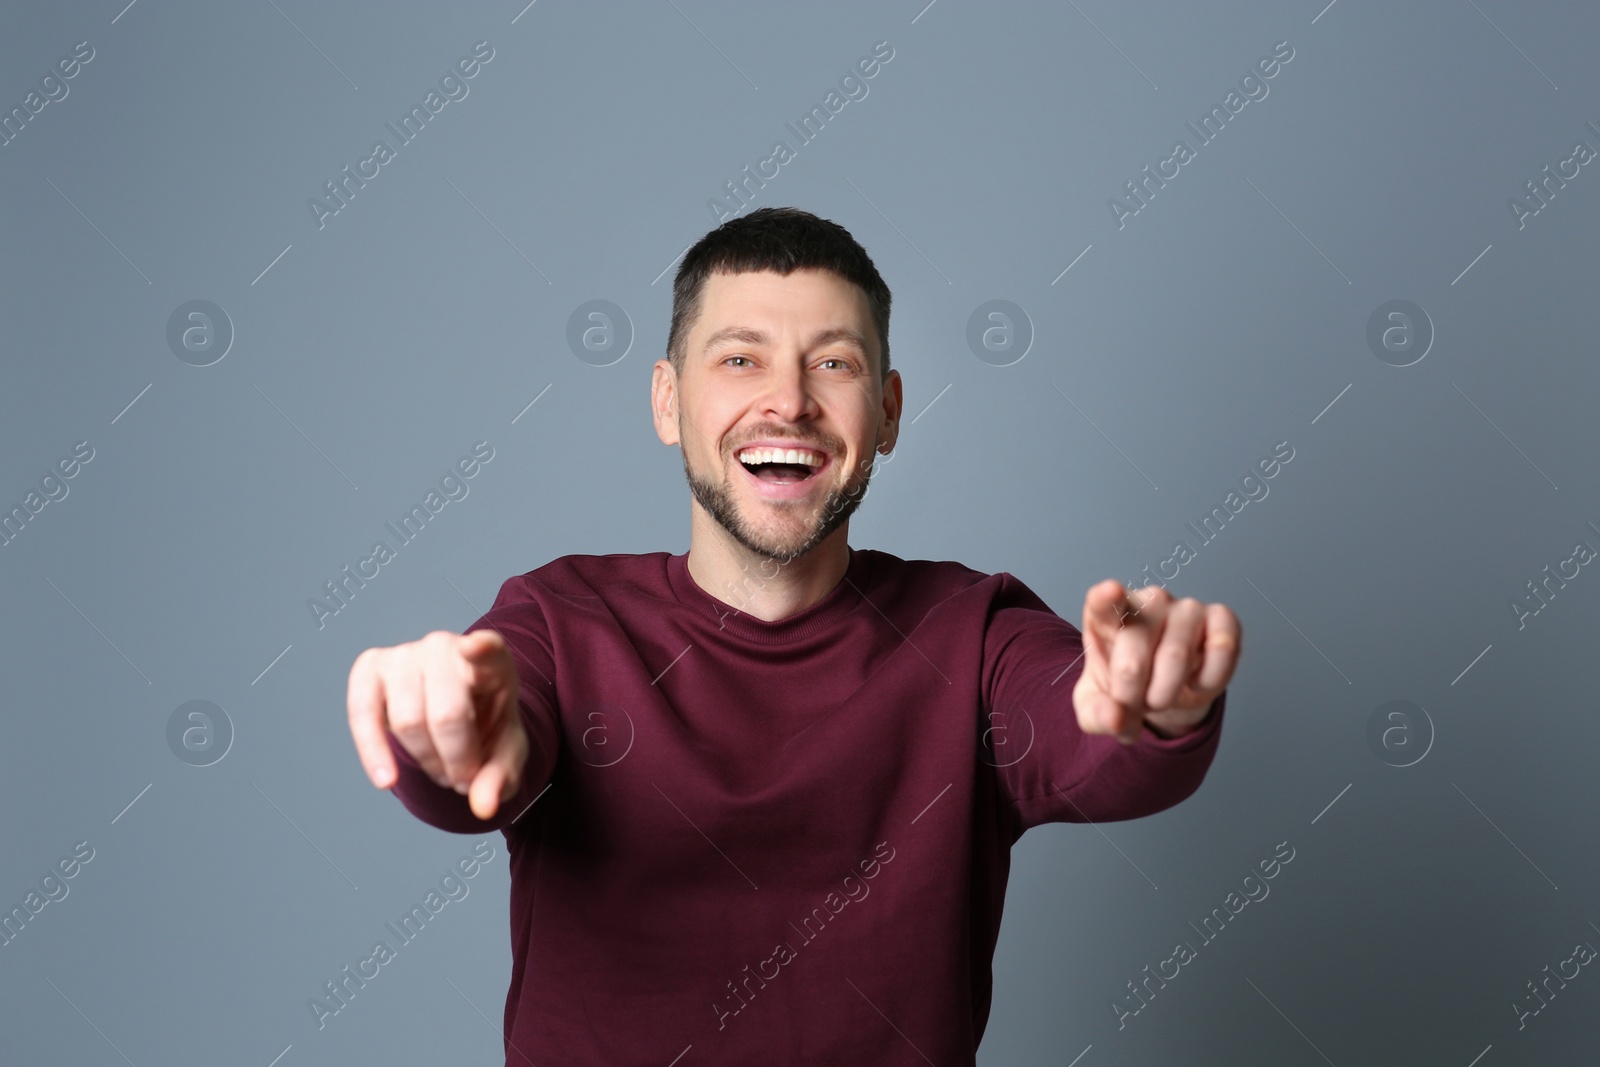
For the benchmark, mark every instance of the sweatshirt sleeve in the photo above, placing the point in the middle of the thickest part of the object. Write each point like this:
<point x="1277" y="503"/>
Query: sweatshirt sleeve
<point x="1047" y="768"/>
<point x="518" y="618"/>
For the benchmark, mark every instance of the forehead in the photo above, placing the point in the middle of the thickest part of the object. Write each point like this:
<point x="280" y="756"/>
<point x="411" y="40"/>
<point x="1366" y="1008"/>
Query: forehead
<point x="808" y="299"/>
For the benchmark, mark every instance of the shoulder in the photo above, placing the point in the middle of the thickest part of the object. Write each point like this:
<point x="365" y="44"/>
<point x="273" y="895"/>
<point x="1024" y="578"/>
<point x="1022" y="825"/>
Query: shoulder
<point x="942" y="572"/>
<point x="589" y="576"/>
<point x="950" y="585"/>
<point x="930" y="582"/>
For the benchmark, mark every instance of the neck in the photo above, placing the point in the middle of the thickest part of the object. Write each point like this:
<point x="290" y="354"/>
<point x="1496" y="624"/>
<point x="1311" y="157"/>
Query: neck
<point x="758" y="585"/>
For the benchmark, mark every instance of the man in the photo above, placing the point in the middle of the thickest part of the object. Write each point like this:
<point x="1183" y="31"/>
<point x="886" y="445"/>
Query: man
<point x="759" y="798"/>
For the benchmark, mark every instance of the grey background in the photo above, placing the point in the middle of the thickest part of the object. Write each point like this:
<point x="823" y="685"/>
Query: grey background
<point x="1229" y="314"/>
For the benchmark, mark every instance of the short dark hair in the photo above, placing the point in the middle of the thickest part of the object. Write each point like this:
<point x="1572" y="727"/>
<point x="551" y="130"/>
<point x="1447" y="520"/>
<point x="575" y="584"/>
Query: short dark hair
<point x="781" y="239"/>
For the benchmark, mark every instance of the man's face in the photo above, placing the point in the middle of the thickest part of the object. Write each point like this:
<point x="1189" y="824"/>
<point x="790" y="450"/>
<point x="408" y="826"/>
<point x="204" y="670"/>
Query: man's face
<point x="778" y="360"/>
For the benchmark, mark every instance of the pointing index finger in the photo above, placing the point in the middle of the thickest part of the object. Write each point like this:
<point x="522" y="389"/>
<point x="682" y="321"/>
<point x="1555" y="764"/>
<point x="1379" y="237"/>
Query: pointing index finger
<point x="1107" y="606"/>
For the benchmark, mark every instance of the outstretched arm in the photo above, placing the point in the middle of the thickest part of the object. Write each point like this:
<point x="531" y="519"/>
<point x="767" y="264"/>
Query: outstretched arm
<point x="1046" y="683"/>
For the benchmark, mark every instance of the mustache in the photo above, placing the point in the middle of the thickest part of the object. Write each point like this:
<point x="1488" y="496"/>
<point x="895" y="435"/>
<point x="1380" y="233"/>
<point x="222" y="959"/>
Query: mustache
<point x="827" y="445"/>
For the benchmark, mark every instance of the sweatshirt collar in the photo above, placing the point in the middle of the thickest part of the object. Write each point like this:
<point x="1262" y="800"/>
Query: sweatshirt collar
<point x="845" y="597"/>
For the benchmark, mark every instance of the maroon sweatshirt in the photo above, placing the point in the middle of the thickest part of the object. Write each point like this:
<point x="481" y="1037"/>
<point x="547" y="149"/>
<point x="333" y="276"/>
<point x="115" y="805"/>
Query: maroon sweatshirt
<point x="742" y="842"/>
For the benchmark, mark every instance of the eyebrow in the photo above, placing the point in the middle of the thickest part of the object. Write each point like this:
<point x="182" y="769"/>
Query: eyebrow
<point x="750" y="336"/>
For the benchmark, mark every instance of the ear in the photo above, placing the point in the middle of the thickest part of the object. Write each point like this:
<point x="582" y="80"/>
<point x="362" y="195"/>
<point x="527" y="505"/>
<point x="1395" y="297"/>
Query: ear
<point x="893" y="399"/>
<point x="664" y="401"/>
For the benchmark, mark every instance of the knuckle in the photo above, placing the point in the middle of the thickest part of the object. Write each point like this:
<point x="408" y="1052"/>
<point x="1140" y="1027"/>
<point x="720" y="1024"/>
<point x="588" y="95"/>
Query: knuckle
<point x="1173" y="655"/>
<point x="405" y="722"/>
<point x="405" y="713"/>
<point x="429" y="643"/>
<point x="452" y="715"/>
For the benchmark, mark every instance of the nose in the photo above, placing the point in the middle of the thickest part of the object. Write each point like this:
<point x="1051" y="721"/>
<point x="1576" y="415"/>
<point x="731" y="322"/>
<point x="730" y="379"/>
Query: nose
<point x="788" y="396"/>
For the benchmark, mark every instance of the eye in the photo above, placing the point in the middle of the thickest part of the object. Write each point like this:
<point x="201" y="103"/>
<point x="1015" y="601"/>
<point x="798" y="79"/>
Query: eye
<point x="736" y="357"/>
<point x="841" y="360"/>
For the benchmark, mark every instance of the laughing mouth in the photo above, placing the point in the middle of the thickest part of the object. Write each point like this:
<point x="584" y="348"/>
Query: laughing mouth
<point x="782" y="466"/>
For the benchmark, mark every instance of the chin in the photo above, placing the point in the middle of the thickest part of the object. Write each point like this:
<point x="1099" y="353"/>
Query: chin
<point x="787" y="545"/>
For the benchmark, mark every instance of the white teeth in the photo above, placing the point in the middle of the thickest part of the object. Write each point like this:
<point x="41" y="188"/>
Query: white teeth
<point x="753" y="456"/>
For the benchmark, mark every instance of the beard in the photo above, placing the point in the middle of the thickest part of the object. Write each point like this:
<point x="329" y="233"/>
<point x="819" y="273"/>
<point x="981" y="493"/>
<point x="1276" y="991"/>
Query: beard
<point x="799" y="537"/>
